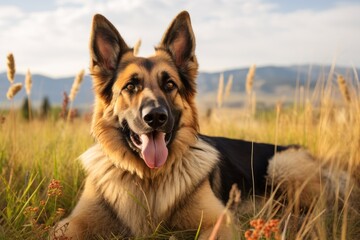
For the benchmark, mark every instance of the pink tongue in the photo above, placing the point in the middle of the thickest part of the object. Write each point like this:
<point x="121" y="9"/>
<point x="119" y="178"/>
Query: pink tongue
<point x="153" y="149"/>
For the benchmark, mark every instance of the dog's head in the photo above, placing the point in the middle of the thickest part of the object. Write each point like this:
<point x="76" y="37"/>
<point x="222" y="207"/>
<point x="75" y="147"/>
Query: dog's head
<point x="144" y="111"/>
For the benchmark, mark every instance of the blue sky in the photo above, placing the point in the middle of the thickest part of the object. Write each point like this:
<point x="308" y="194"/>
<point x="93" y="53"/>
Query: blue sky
<point x="51" y="36"/>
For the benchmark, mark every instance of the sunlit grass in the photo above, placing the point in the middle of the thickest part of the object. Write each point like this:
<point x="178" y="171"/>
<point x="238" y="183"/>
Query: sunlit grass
<point x="33" y="153"/>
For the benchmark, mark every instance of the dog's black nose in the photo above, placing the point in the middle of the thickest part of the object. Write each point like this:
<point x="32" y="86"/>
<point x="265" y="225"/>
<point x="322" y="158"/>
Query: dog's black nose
<point x="155" y="117"/>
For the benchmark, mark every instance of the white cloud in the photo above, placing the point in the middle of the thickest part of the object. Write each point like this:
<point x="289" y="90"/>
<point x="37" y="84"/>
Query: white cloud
<point x="229" y="33"/>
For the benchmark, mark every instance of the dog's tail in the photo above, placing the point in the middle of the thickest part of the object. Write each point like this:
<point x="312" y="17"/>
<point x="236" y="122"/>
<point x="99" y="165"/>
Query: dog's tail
<point x="306" y="180"/>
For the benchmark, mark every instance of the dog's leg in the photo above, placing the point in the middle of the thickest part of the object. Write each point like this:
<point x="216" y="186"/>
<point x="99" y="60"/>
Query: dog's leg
<point x="203" y="208"/>
<point x="88" y="218"/>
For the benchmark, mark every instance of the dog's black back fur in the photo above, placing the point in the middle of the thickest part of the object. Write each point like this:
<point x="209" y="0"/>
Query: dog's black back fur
<point x="241" y="162"/>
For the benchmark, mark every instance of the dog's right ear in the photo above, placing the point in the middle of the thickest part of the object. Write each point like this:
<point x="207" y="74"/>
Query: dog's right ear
<point x="106" y="46"/>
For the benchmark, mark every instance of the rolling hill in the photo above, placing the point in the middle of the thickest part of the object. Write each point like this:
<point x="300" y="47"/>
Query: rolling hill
<point x="270" y="81"/>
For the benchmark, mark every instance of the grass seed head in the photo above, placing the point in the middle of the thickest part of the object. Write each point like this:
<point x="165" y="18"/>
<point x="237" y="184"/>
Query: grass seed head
<point x="220" y="91"/>
<point x="13" y="90"/>
<point x="137" y="47"/>
<point x="64" y="106"/>
<point x="28" y="82"/>
<point x="343" y="88"/>
<point x="10" y="67"/>
<point x="228" y="86"/>
<point x="250" y="79"/>
<point x="76" y="85"/>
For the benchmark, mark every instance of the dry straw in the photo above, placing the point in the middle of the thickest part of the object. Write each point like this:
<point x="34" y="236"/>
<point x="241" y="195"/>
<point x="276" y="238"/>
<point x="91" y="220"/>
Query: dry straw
<point x="343" y="88"/>
<point x="137" y="47"/>
<point x="234" y="200"/>
<point x="250" y="79"/>
<point x="13" y="90"/>
<point x="249" y="85"/>
<point x="10" y="67"/>
<point x="220" y="91"/>
<point x="64" y="106"/>
<point x="228" y="86"/>
<point x="28" y="86"/>
<point x="28" y="82"/>
<point x="76" y="85"/>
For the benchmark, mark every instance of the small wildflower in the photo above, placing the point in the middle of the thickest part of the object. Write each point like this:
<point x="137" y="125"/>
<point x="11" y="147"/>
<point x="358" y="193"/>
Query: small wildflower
<point x="262" y="229"/>
<point x="30" y="211"/>
<point x="55" y="188"/>
<point x="42" y="203"/>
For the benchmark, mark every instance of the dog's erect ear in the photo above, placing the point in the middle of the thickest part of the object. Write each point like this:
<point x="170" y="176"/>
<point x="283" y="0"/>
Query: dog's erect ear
<point x="106" y="45"/>
<point x="179" y="39"/>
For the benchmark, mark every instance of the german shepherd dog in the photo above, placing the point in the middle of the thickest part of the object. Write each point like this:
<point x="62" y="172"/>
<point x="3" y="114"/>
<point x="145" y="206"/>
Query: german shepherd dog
<point x="150" y="166"/>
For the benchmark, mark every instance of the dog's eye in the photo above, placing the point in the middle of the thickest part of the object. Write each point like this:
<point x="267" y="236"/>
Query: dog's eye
<point x="130" y="87"/>
<point x="170" y="85"/>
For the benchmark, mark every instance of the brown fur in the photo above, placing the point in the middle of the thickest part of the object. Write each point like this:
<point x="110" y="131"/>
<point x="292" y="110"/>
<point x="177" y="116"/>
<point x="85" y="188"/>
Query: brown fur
<point x="121" y="194"/>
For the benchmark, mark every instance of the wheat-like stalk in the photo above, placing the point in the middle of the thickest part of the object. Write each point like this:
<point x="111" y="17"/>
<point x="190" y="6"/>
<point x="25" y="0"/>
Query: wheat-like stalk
<point x="74" y="90"/>
<point x="343" y="88"/>
<point x="228" y="86"/>
<point x="76" y="85"/>
<point x="28" y="82"/>
<point x="253" y="103"/>
<point x="28" y="86"/>
<point x="13" y="90"/>
<point x="220" y="90"/>
<point x="64" y="106"/>
<point x="137" y="47"/>
<point x="10" y="67"/>
<point x="234" y="200"/>
<point x="249" y="85"/>
<point x="250" y="79"/>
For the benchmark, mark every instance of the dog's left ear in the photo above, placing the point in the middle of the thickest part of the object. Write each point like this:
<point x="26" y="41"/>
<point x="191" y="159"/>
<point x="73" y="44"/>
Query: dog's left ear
<point x="179" y="40"/>
<point x="106" y="45"/>
<point x="106" y="49"/>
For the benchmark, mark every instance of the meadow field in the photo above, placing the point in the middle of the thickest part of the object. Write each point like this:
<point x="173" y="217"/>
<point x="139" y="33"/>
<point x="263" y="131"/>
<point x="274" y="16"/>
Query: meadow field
<point x="41" y="179"/>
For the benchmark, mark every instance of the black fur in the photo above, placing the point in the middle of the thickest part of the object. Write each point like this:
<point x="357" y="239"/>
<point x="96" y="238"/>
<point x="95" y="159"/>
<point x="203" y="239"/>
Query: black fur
<point x="241" y="162"/>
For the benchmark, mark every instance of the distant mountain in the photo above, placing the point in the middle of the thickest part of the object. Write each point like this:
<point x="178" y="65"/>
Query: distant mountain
<point x="44" y="86"/>
<point x="269" y="80"/>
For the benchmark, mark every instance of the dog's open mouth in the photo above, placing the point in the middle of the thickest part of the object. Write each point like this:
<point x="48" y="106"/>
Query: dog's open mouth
<point x="152" y="146"/>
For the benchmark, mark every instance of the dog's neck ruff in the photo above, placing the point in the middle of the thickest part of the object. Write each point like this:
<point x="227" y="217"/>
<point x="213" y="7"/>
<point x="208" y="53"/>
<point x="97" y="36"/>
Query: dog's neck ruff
<point x="162" y="192"/>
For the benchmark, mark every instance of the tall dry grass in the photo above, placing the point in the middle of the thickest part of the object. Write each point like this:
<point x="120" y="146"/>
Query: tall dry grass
<point x="14" y="87"/>
<point x="76" y="85"/>
<point x="330" y="129"/>
<point x="137" y="47"/>
<point x="74" y="90"/>
<point x="220" y="94"/>
<point x="28" y="86"/>
<point x="228" y="87"/>
<point x="249" y="83"/>
<point x="13" y="90"/>
<point x="343" y="88"/>
<point x="32" y="154"/>
<point x="11" y="67"/>
<point x="249" y="87"/>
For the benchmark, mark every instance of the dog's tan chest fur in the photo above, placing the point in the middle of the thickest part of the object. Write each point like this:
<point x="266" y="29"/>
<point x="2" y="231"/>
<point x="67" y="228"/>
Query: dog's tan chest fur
<point x="155" y="198"/>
